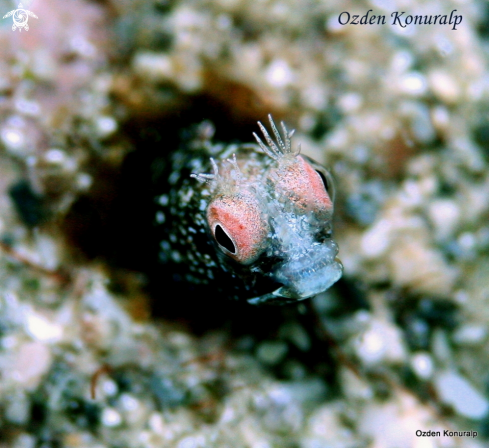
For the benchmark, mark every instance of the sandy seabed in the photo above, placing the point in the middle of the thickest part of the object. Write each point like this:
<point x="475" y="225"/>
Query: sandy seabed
<point x="399" y="115"/>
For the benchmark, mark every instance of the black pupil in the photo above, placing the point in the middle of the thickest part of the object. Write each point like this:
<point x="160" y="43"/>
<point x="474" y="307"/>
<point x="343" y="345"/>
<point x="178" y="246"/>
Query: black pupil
<point x="224" y="240"/>
<point x="323" y="178"/>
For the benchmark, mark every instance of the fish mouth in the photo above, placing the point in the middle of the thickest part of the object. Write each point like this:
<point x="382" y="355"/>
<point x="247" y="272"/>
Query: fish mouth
<point x="272" y="298"/>
<point x="302" y="279"/>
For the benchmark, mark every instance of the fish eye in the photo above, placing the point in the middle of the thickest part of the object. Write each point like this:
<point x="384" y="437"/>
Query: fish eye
<point x="238" y="226"/>
<point x="325" y="181"/>
<point x="224" y="240"/>
<point x="326" y="178"/>
<point x="303" y="182"/>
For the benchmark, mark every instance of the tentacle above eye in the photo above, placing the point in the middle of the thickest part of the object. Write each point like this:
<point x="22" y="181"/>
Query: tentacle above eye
<point x="203" y="177"/>
<point x="281" y="146"/>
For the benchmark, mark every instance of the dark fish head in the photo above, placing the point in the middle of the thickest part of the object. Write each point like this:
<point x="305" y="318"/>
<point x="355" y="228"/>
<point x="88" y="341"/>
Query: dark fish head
<point x="270" y="218"/>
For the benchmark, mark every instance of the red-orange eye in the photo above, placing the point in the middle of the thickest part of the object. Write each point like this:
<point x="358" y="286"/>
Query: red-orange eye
<point x="224" y="240"/>
<point x="238" y="227"/>
<point x="325" y="182"/>
<point x="326" y="178"/>
<point x="306" y="185"/>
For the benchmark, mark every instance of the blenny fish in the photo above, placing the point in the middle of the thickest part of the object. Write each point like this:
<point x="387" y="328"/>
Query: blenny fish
<point x="253" y="221"/>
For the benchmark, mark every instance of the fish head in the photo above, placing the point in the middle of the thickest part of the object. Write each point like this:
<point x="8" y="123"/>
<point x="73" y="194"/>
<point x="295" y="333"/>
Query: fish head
<point x="273" y="225"/>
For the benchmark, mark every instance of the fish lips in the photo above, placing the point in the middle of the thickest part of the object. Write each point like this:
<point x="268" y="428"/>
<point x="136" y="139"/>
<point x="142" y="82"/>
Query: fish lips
<point x="304" y="276"/>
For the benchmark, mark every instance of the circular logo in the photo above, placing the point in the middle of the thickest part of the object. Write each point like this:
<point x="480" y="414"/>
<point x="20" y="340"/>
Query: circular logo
<point x="20" y="17"/>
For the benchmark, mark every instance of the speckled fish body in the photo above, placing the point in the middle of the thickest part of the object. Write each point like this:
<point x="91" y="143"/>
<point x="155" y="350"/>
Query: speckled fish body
<point x="254" y="222"/>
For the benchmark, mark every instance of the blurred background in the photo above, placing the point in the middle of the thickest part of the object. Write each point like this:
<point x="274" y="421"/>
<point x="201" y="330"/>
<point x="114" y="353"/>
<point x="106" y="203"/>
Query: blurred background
<point x="95" y="349"/>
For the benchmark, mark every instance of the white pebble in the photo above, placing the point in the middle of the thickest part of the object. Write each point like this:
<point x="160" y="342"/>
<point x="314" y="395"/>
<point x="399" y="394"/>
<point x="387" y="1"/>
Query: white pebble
<point x="160" y="217"/>
<point x="421" y="124"/>
<point x="47" y="250"/>
<point x="376" y="240"/>
<point x="12" y="138"/>
<point x="333" y="25"/>
<point x="42" y="329"/>
<point x="444" y="45"/>
<point x="8" y="342"/>
<point x="24" y="440"/>
<point x="17" y="408"/>
<point x="128" y="402"/>
<point x="55" y="156"/>
<point x="440" y="346"/>
<point x="444" y="86"/>
<point x="455" y="390"/>
<point x="422" y="365"/>
<point x="415" y="264"/>
<point x="440" y="118"/>
<point x="157" y="423"/>
<point x="109" y="387"/>
<point x="412" y="192"/>
<point x="163" y="200"/>
<point x="192" y="442"/>
<point x="27" y="107"/>
<point x="84" y="181"/>
<point x="350" y="102"/>
<point x="31" y="362"/>
<point x="106" y="126"/>
<point x="467" y="242"/>
<point x="278" y="74"/>
<point x="371" y="347"/>
<point x="155" y="66"/>
<point x="413" y="83"/>
<point x="355" y="387"/>
<point x="82" y="46"/>
<point x="111" y="418"/>
<point x="381" y="341"/>
<point x="445" y="216"/>
<point x="470" y="334"/>
<point x="402" y="61"/>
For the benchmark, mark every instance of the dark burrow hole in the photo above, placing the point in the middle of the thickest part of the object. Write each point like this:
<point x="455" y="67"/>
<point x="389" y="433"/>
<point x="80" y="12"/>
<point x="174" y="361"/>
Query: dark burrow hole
<point x="114" y="223"/>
